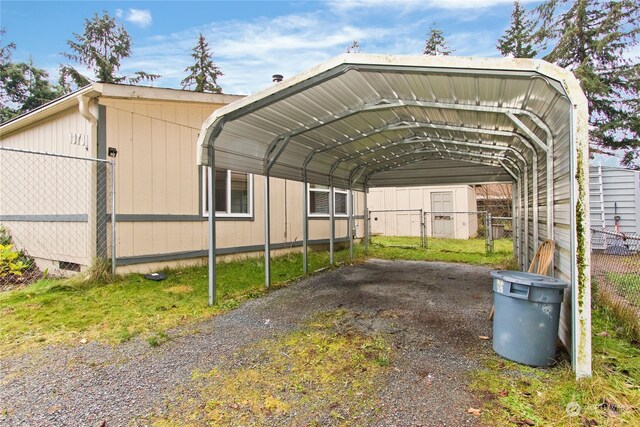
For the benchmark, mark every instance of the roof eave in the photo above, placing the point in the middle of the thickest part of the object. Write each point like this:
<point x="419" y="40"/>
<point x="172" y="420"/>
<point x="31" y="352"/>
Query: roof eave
<point x="49" y="109"/>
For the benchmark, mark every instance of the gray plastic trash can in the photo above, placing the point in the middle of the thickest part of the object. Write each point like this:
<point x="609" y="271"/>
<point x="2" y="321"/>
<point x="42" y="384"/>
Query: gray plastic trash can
<point x="527" y="312"/>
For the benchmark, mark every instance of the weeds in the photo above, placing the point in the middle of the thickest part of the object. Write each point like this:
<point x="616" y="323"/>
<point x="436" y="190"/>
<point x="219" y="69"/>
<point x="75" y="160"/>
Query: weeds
<point x="317" y="375"/>
<point x="522" y="395"/>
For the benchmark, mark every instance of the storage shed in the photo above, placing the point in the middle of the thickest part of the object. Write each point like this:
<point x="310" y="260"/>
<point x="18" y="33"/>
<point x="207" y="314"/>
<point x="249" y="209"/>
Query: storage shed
<point x="361" y="121"/>
<point x="447" y="211"/>
<point x="614" y="199"/>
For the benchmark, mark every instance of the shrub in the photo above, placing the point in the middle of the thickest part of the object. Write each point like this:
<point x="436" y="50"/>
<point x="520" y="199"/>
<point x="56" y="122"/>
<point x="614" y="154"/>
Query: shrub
<point x="10" y="263"/>
<point x="13" y="262"/>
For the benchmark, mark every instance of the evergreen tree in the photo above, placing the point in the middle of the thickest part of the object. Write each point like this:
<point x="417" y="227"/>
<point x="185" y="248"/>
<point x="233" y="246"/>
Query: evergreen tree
<point x="593" y="38"/>
<point x="517" y="40"/>
<point x="11" y="82"/>
<point x="23" y="86"/>
<point x="436" y="44"/>
<point x="354" y="47"/>
<point x="39" y="89"/>
<point x="101" y="48"/>
<point x="204" y="73"/>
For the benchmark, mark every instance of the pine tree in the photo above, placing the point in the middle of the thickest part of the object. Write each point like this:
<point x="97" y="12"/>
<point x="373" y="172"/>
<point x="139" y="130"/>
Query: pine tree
<point x="23" y="86"/>
<point x="39" y="89"/>
<point x="517" y="41"/>
<point x="354" y="47"/>
<point x="101" y="48"/>
<point x="12" y="85"/>
<point x="204" y="73"/>
<point x="593" y="38"/>
<point x="436" y="44"/>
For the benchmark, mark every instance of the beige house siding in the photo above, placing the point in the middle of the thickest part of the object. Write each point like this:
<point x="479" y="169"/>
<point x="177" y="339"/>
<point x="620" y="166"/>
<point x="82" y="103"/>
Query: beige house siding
<point x="159" y="194"/>
<point x="29" y="189"/>
<point x="63" y="133"/>
<point x="156" y="175"/>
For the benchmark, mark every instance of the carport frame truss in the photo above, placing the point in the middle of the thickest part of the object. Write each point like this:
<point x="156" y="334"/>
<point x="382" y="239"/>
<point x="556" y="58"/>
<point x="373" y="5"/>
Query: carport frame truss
<point x="520" y="161"/>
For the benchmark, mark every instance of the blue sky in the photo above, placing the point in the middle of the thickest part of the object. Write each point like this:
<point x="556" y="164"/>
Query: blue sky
<point x="253" y="40"/>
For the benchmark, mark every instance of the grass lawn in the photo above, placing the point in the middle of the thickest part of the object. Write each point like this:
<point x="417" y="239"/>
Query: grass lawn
<point x="521" y="395"/>
<point x="470" y="251"/>
<point x="628" y="285"/>
<point x="71" y="311"/>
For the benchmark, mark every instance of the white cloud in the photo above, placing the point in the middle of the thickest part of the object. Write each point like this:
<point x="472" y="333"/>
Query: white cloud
<point x="481" y="43"/>
<point x="411" y="5"/>
<point x="140" y="17"/>
<point x="250" y="52"/>
<point x="119" y="13"/>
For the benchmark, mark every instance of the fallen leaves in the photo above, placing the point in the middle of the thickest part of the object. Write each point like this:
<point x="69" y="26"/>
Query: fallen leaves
<point x="474" y="411"/>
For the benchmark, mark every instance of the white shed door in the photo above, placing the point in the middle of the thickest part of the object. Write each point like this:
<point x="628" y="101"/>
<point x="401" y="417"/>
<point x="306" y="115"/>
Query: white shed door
<point x="442" y="214"/>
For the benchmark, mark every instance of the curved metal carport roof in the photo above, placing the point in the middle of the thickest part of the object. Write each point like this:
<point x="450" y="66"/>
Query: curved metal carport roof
<point x="359" y="121"/>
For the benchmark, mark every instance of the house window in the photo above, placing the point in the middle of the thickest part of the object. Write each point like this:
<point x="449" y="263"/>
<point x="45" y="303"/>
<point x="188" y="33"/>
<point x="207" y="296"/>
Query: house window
<point x="319" y="201"/>
<point x="234" y="193"/>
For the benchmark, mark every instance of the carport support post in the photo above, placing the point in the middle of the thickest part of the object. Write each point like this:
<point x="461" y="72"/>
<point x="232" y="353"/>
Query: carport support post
<point x="366" y="221"/>
<point x="212" y="225"/>
<point x="331" y="220"/>
<point x="267" y="234"/>
<point x="350" y="225"/>
<point x="305" y="224"/>
<point x="514" y="222"/>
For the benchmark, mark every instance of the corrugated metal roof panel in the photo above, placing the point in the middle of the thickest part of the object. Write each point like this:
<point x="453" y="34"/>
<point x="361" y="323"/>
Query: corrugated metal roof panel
<point x="373" y="120"/>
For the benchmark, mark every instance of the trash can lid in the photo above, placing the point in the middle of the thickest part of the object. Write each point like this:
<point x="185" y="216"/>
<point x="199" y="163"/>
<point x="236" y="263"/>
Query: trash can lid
<point x="529" y="279"/>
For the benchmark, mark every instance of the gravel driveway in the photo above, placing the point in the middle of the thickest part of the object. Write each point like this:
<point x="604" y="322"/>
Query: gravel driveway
<point x="439" y="312"/>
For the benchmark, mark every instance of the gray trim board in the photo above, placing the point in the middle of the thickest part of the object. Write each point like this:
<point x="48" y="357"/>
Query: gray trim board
<point x="176" y="256"/>
<point x="171" y="218"/>
<point x="46" y="218"/>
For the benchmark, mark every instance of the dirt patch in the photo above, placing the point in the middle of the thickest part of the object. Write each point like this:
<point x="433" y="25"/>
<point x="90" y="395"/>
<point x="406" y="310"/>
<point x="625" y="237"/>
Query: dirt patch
<point x="430" y="314"/>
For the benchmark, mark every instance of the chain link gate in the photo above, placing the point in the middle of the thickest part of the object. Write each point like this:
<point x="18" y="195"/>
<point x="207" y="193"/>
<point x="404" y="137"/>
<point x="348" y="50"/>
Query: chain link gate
<point x="457" y="225"/>
<point x="496" y="228"/>
<point x="413" y="228"/>
<point x="396" y="228"/>
<point x="56" y="216"/>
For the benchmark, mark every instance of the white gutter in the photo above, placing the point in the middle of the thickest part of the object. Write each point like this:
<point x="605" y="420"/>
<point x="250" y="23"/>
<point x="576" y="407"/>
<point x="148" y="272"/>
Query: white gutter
<point x="47" y="110"/>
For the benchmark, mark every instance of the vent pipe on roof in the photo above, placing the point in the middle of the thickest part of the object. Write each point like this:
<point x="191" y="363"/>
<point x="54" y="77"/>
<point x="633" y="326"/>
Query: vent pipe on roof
<point x="277" y="78"/>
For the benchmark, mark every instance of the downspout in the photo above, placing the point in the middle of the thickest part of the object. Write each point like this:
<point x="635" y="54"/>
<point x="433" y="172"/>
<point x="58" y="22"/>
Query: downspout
<point x="83" y="107"/>
<point x="92" y="204"/>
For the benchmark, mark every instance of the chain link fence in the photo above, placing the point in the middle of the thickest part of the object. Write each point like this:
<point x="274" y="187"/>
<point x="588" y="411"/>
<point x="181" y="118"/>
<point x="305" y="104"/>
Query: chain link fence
<point x="400" y="228"/>
<point x="414" y="228"/>
<point x="501" y="227"/>
<point x="615" y="270"/>
<point x="456" y="225"/>
<point x="55" y="216"/>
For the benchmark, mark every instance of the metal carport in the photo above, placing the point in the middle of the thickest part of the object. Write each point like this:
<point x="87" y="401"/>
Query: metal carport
<point x="359" y="121"/>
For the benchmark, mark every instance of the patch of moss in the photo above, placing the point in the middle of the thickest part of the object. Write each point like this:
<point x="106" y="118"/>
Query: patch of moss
<point x="322" y="374"/>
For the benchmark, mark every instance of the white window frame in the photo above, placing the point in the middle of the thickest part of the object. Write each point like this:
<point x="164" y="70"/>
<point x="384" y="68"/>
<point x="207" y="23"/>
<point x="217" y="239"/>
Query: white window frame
<point x="327" y="190"/>
<point x="206" y="204"/>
